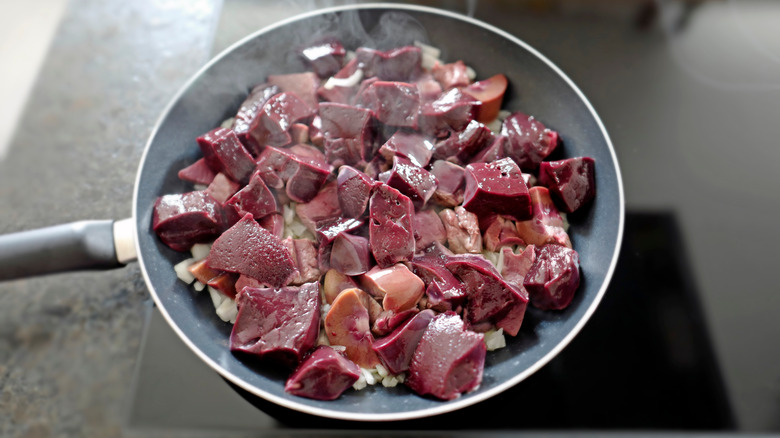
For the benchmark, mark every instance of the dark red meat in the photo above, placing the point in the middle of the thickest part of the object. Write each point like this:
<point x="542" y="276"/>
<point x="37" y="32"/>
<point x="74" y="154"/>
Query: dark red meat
<point x="224" y="153"/>
<point x="448" y="361"/>
<point x="528" y="140"/>
<point x="249" y="249"/>
<point x="183" y="220"/>
<point x="325" y="57"/>
<point x="323" y="375"/>
<point x="273" y="120"/>
<point x="411" y="180"/>
<point x="553" y="278"/>
<point x="401" y="64"/>
<point x="572" y="181"/>
<point x="198" y="173"/>
<point x="497" y="188"/>
<point x="277" y="324"/>
<point x="354" y="189"/>
<point x="391" y="231"/>
<point x="396" y="350"/>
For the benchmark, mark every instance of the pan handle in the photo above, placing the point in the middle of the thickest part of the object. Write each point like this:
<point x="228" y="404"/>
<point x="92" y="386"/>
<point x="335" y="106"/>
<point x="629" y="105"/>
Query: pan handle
<point x="100" y="244"/>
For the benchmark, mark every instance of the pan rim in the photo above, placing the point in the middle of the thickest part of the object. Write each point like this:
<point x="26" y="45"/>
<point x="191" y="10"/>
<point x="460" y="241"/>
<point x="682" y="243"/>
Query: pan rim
<point x="449" y="406"/>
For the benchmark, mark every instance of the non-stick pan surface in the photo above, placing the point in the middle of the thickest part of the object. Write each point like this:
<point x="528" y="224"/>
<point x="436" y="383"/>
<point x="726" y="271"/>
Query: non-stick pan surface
<point x="536" y="87"/>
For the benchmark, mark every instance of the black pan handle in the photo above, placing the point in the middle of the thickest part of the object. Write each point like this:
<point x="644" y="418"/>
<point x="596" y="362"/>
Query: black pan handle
<point x="100" y="244"/>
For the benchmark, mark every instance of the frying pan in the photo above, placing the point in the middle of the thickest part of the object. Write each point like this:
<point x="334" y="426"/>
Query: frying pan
<point x="536" y="87"/>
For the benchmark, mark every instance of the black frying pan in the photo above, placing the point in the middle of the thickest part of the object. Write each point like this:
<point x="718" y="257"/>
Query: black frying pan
<point x="536" y="87"/>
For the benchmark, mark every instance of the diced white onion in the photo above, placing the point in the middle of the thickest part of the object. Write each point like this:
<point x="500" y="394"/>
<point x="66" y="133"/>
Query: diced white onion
<point x="199" y="187"/>
<point x="503" y="114"/>
<point x="495" y="125"/>
<point x="182" y="272"/>
<point x="288" y="214"/>
<point x="494" y="339"/>
<point x="198" y="286"/>
<point x="322" y="339"/>
<point x="228" y="123"/>
<point x="382" y="370"/>
<point x="389" y="382"/>
<point x="565" y="221"/>
<point x="370" y="380"/>
<point x="297" y="228"/>
<point x="350" y="55"/>
<point x="216" y="297"/>
<point x="339" y="347"/>
<point x="428" y="49"/>
<point x="350" y="81"/>
<point x="227" y="311"/>
<point x="361" y="383"/>
<point x="200" y="250"/>
<point x="471" y="73"/>
<point x="500" y="261"/>
<point x="428" y="61"/>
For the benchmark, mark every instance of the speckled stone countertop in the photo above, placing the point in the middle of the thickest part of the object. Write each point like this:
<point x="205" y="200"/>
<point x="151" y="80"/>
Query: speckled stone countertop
<point x="69" y="342"/>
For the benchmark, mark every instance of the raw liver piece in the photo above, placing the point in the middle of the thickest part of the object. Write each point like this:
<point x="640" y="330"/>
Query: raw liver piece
<point x="249" y="109"/>
<point x="462" y="227"/>
<point x="553" y="278"/>
<point x="222" y="188"/>
<point x="516" y="266"/>
<point x="387" y="320"/>
<point x="428" y="228"/>
<point x="411" y="145"/>
<point x="391" y="232"/>
<point x="327" y="232"/>
<point x="224" y="153"/>
<point x="493" y="152"/>
<point x="334" y="283"/>
<point x="325" y="56"/>
<point x="347" y="323"/>
<point x="451" y="75"/>
<point x="450" y="111"/>
<point x="273" y="223"/>
<point x="393" y="103"/>
<point x="182" y="220"/>
<point x="303" y="85"/>
<point x="354" y="189"/>
<point x="323" y="375"/>
<point x="302" y="168"/>
<point x="249" y="249"/>
<point x="546" y="225"/>
<point x="277" y="324"/>
<point x="500" y="232"/>
<point x="350" y="254"/>
<point x="452" y="183"/>
<point x="490" y="297"/>
<point x="497" y="188"/>
<point x="304" y="255"/>
<point x="273" y="120"/>
<point x="572" y="181"/>
<point x="322" y="208"/>
<point x="400" y="64"/>
<point x="528" y="140"/>
<point x="254" y="198"/>
<point x="443" y="289"/>
<point x="396" y="350"/>
<point x="398" y="287"/>
<point x="411" y="180"/>
<point x="198" y="173"/>
<point x="348" y="133"/>
<point x="448" y="361"/>
<point x="463" y="145"/>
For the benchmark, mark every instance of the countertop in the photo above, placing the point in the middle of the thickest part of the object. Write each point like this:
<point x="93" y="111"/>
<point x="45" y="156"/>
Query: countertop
<point x="689" y="94"/>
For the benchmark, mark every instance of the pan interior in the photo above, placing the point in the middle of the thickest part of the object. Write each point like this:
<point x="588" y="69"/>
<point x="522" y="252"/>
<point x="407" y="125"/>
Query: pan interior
<point x="536" y="87"/>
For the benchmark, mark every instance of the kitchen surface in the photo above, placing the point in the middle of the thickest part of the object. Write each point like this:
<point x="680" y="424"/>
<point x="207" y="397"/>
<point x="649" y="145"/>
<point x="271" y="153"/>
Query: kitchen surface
<point x="685" y="339"/>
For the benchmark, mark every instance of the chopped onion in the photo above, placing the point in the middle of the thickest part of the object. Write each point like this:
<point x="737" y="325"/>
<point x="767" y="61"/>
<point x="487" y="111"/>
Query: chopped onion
<point x="351" y="81"/>
<point x="370" y="380"/>
<point x="198" y="286"/>
<point x="471" y="73"/>
<point x="200" y="250"/>
<point x="389" y="382"/>
<point x="182" y="272"/>
<point x="428" y="61"/>
<point x="494" y="339"/>
<point x="227" y="311"/>
<point x="428" y="49"/>
<point x="200" y="187"/>
<point x="216" y="297"/>
<point x="228" y="123"/>
<point x="495" y="125"/>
